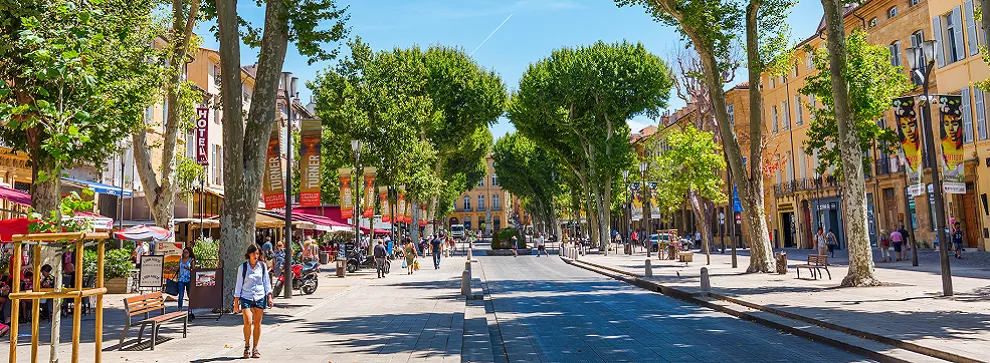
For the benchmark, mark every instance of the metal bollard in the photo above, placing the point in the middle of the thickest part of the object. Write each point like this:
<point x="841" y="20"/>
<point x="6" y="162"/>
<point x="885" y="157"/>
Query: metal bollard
<point x="466" y="283"/>
<point x="706" y="282"/>
<point x="649" y="268"/>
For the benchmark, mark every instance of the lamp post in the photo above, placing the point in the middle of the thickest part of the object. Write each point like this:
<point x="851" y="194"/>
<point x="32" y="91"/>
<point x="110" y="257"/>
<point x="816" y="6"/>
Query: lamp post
<point x="646" y="208"/>
<point x="289" y="84"/>
<point x="925" y="56"/>
<point x="628" y="208"/>
<point x="356" y="148"/>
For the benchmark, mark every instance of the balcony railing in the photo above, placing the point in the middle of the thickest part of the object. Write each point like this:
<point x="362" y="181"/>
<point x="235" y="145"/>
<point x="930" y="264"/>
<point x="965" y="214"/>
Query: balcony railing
<point x="790" y="187"/>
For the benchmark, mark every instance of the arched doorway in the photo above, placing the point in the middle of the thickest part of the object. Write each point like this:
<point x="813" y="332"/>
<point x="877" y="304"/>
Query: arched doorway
<point x="452" y="221"/>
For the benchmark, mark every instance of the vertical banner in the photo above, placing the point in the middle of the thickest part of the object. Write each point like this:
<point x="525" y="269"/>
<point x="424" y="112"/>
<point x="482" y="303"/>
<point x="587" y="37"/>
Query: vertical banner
<point x="368" y="208"/>
<point x="274" y="185"/>
<point x="910" y="138"/>
<point x="203" y="136"/>
<point x="386" y="210"/>
<point x="953" y="171"/>
<point x="309" y="163"/>
<point x="654" y="206"/>
<point x="637" y="202"/>
<point x="422" y="215"/>
<point x="400" y="207"/>
<point x="346" y="194"/>
<point x="408" y="212"/>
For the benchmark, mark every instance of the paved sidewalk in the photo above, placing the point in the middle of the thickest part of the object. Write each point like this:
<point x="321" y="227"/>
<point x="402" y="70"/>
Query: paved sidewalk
<point x="356" y="319"/>
<point x="909" y="307"/>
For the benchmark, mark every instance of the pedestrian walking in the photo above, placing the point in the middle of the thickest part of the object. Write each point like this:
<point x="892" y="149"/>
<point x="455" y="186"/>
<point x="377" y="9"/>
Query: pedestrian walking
<point x="515" y="246"/>
<point x="884" y="245"/>
<point x="904" y="237"/>
<point x="541" y="246"/>
<point x="410" y="252"/>
<point x="436" y="247"/>
<point x="833" y="243"/>
<point x="252" y="295"/>
<point x="820" y="241"/>
<point x="139" y="250"/>
<point x="380" y="258"/>
<point x="897" y="239"/>
<point x="186" y="264"/>
<point x="957" y="239"/>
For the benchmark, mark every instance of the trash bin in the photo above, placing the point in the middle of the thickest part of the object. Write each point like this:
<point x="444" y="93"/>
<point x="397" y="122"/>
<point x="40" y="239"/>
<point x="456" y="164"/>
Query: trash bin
<point x="781" y="258"/>
<point x="324" y="257"/>
<point x="671" y="251"/>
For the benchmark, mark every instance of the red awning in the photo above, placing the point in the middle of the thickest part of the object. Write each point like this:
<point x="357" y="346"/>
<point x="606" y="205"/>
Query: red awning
<point x="144" y="233"/>
<point x="10" y="227"/>
<point x="14" y="195"/>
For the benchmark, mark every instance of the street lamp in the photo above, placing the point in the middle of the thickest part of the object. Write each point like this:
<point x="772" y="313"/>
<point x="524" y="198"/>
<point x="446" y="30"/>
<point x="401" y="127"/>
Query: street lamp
<point x="646" y="208"/>
<point x="628" y="208"/>
<point x="289" y="84"/>
<point x="356" y="148"/>
<point x="925" y="56"/>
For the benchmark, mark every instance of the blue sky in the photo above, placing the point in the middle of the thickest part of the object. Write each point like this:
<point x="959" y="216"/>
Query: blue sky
<point x="536" y="28"/>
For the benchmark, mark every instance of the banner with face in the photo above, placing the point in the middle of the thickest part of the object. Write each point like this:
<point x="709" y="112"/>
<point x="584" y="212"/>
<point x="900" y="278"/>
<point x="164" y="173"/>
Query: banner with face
<point x="953" y="171"/>
<point x="910" y="138"/>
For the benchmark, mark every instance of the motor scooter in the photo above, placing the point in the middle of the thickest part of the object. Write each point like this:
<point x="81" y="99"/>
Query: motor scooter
<point x="305" y="277"/>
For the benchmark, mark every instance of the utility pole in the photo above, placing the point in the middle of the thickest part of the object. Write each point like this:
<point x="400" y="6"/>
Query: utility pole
<point x="289" y="85"/>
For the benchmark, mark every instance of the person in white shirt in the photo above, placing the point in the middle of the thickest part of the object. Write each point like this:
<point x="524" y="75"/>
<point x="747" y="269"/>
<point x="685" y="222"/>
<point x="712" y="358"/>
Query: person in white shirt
<point x="139" y="250"/>
<point x="252" y="295"/>
<point x="541" y="246"/>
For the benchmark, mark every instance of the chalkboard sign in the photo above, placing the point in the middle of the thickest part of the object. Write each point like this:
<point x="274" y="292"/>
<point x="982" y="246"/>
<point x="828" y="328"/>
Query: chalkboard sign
<point x="152" y="268"/>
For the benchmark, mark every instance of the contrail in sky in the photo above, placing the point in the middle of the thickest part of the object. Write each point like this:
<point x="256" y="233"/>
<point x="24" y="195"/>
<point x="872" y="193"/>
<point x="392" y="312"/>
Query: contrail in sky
<point x="490" y="35"/>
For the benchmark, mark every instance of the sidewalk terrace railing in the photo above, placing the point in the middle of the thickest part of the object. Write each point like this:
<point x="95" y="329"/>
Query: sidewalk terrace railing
<point x="791" y="187"/>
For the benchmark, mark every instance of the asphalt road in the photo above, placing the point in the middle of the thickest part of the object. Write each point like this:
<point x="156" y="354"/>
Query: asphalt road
<point x="548" y="311"/>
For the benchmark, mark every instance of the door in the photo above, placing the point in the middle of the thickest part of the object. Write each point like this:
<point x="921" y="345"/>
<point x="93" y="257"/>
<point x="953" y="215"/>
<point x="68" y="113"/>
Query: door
<point x="971" y="224"/>
<point x="890" y="213"/>
<point x="833" y="223"/>
<point x="787" y="226"/>
<point x="806" y="211"/>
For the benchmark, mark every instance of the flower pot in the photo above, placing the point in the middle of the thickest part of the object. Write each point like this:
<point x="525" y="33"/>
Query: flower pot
<point x="118" y="285"/>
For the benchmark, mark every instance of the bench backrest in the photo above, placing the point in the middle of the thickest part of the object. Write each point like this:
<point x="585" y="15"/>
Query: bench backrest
<point x="143" y="304"/>
<point x="818" y="260"/>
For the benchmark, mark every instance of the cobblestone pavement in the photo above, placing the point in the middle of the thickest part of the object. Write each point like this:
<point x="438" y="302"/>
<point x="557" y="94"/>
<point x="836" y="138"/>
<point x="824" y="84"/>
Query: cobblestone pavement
<point x="548" y="311"/>
<point x="908" y="307"/>
<point x="400" y="318"/>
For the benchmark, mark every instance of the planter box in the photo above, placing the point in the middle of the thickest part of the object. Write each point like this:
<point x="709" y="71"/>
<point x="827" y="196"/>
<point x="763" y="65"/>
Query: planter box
<point x="508" y="252"/>
<point x="120" y="285"/>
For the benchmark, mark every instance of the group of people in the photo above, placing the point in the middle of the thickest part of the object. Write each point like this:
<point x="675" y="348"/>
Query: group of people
<point x="896" y="239"/>
<point x="27" y="281"/>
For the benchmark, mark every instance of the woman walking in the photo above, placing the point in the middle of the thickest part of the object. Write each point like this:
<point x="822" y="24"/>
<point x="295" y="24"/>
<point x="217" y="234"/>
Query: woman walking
<point x="411" y="254"/>
<point x="252" y="295"/>
<point x="186" y="264"/>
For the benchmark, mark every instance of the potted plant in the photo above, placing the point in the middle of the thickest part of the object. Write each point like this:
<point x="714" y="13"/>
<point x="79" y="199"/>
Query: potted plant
<point x="117" y="268"/>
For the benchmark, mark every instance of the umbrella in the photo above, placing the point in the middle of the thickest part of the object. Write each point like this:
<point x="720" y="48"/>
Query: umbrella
<point x="144" y="234"/>
<point x="10" y="227"/>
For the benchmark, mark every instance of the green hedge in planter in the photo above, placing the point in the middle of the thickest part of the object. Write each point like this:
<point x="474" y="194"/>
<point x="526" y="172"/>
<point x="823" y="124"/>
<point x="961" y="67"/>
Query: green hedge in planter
<point x="503" y="239"/>
<point x="116" y="263"/>
<point x="207" y="252"/>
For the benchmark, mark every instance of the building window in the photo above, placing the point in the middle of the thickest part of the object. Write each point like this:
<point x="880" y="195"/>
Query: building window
<point x="949" y="36"/>
<point x="873" y="23"/>
<point x="812" y="101"/>
<point x="773" y="82"/>
<point x="494" y="180"/>
<point x="732" y="114"/>
<point x="810" y="60"/>
<point x="481" y="182"/>
<point x="892" y="12"/>
<point x="467" y="204"/>
<point x="794" y="73"/>
<point x="914" y="2"/>
<point x="786" y="115"/>
<point x="895" y="53"/>
<point x="495" y="202"/>
<point x="773" y="118"/>
<point x="798" y="111"/>
<point x="802" y="168"/>
<point x="481" y="202"/>
<point x="916" y="40"/>
<point x="217" y="165"/>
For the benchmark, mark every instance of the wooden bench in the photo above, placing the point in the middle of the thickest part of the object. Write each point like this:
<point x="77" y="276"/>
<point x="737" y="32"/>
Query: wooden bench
<point x="145" y="304"/>
<point x="686" y="256"/>
<point x="815" y="264"/>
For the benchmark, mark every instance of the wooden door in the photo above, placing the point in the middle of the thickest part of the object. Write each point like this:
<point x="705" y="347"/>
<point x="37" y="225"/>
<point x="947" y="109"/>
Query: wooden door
<point x="971" y="223"/>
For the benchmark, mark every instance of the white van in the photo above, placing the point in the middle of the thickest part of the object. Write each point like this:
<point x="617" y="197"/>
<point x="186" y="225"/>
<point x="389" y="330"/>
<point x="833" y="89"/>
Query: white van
<point x="457" y="231"/>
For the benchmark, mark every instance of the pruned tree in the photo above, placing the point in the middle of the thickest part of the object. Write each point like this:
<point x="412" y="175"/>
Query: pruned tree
<point x="712" y="27"/>
<point x="245" y="134"/>
<point x="528" y="172"/>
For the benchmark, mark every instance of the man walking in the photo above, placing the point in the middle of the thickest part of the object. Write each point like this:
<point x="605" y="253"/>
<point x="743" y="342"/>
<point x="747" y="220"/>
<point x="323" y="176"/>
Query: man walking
<point x="540" y="246"/>
<point x="907" y="244"/>
<point x="436" y="245"/>
<point x="380" y="258"/>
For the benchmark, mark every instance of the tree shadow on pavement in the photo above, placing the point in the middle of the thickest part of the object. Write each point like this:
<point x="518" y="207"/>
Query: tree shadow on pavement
<point x="433" y="335"/>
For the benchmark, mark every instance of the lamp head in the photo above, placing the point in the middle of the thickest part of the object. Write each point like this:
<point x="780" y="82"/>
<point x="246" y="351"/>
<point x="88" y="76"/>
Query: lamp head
<point x="912" y="56"/>
<point x="642" y="167"/>
<point x="625" y="174"/>
<point x="929" y="48"/>
<point x="356" y="145"/>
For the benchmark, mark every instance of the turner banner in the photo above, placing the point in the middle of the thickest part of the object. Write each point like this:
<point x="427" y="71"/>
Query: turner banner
<point x="400" y="207"/>
<point x="309" y="163"/>
<point x="910" y="152"/>
<point x="346" y="194"/>
<point x="422" y="215"/>
<point x="368" y="208"/>
<point x="274" y="185"/>
<point x="637" y="202"/>
<point x="408" y="214"/>
<point x="203" y="136"/>
<point x="953" y="170"/>
<point x="386" y="210"/>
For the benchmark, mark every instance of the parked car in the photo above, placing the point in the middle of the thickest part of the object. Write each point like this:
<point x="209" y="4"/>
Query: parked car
<point x="457" y="231"/>
<point x="656" y="239"/>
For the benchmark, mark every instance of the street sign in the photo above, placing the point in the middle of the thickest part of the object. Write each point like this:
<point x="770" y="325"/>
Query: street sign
<point x="738" y="218"/>
<point x="203" y="136"/>
<point x="736" y="205"/>
<point x="721" y="218"/>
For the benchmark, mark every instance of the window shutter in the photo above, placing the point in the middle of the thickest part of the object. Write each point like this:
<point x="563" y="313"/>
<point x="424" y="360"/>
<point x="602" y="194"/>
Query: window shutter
<point x="799" y="118"/>
<point x="971" y="28"/>
<point x="981" y="117"/>
<point x="967" y="117"/>
<point x="787" y="115"/>
<point x="957" y="26"/>
<point x="939" y="47"/>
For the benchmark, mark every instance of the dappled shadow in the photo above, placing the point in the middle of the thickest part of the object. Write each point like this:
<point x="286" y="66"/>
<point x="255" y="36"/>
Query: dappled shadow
<point x="429" y="334"/>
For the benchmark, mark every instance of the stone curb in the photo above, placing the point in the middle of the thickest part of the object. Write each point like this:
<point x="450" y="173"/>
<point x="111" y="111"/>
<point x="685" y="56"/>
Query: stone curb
<point x="704" y="299"/>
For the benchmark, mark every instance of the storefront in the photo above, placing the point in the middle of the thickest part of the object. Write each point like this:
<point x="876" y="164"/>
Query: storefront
<point x="827" y="215"/>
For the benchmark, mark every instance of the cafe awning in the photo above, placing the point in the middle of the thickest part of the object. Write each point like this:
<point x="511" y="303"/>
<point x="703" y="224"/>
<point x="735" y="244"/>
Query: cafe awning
<point x="321" y="223"/>
<point x="15" y="196"/>
<point x="99" y="187"/>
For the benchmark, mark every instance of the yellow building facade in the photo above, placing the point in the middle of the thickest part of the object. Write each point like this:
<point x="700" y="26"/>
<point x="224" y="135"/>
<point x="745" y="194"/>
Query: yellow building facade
<point x="487" y="207"/>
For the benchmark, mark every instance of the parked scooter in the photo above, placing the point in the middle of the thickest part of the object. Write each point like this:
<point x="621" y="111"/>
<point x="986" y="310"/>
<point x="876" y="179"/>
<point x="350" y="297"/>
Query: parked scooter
<point x="304" y="277"/>
<point x="358" y="259"/>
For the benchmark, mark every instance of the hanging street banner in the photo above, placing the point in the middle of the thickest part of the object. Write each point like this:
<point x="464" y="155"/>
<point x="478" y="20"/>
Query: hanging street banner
<point x="274" y="185"/>
<point x="953" y="171"/>
<point x="422" y="215"/>
<point x="654" y="206"/>
<point x="910" y="151"/>
<point x="400" y="206"/>
<point x="203" y="136"/>
<point x="368" y="208"/>
<point x="637" y="202"/>
<point x="386" y="211"/>
<point x="346" y="194"/>
<point x="408" y="213"/>
<point x="309" y="163"/>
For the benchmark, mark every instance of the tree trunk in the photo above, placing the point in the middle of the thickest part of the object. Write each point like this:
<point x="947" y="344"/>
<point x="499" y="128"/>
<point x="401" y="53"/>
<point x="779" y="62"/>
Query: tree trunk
<point x="858" y="239"/>
<point x="246" y="142"/>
